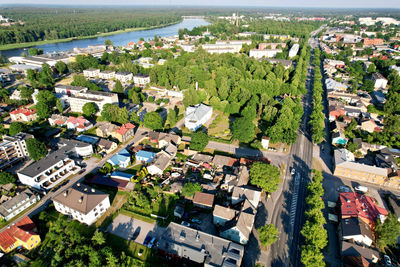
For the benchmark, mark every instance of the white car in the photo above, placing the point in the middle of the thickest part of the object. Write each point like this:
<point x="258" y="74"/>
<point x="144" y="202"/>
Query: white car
<point x="361" y="188"/>
<point x="293" y="171"/>
<point x="388" y="262"/>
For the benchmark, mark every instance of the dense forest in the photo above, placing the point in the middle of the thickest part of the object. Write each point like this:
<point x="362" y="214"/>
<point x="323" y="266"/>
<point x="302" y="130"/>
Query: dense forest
<point x="58" y="23"/>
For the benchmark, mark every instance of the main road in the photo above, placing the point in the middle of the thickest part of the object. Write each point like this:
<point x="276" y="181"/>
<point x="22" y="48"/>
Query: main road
<point x="289" y="200"/>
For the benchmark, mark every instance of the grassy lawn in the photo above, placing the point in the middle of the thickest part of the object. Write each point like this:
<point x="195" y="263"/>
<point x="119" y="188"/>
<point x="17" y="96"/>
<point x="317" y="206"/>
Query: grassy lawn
<point x="131" y="248"/>
<point x="134" y="169"/>
<point x="137" y="216"/>
<point x="219" y="128"/>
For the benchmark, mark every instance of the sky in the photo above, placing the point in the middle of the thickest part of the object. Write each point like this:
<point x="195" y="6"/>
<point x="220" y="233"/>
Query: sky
<point x="227" y="3"/>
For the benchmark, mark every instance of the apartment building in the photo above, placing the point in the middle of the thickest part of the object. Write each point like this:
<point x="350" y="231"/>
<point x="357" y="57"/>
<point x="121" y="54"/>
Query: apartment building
<point x="369" y="42"/>
<point x="294" y="50"/>
<point x="263" y="46"/>
<point x="107" y="74"/>
<point x="345" y="166"/>
<point x="91" y="73"/>
<point x="13" y="149"/>
<point x="76" y="97"/>
<point x="141" y="79"/>
<point x="49" y="171"/>
<point x="124" y="133"/>
<point x="267" y="53"/>
<point x="23" y="200"/>
<point x="124" y="76"/>
<point x="82" y="203"/>
<point x="379" y="80"/>
<point x="23" y="115"/>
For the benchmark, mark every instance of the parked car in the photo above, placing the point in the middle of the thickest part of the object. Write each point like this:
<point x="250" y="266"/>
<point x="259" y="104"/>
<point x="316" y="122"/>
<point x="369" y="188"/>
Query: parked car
<point x="344" y="189"/>
<point x="195" y="220"/>
<point x="185" y="223"/>
<point x="152" y="242"/>
<point x="293" y="171"/>
<point x="388" y="262"/>
<point x="147" y="240"/>
<point x="361" y="188"/>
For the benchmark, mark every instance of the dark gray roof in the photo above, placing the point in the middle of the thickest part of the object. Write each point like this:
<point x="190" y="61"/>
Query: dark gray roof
<point x="350" y="249"/>
<point x="42" y="165"/>
<point x="20" y="198"/>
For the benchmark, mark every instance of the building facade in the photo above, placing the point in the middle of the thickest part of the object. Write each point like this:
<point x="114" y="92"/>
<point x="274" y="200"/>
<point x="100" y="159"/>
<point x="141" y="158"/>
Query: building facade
<point x="13" y="149"/>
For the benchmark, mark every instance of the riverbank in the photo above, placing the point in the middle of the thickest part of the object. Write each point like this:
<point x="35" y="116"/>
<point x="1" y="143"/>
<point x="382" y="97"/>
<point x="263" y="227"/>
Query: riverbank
<point x="30" y="44"/>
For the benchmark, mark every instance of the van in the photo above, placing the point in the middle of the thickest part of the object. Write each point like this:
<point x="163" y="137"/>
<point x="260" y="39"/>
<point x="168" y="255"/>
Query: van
<point x="361" y="188"/>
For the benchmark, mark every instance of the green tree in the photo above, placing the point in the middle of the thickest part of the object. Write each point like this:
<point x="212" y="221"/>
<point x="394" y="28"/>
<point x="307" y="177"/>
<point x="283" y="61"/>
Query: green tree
<point x="311" y="256"/>
<point x="387" y="232"/>
<point x="153" y="121"/>
<point x="98" y="238"/>
<point x="172" y="117"/>
<point x="36" y="149"/>
<point x="89" y="109"/>
<point x="368" y="86"/>
<point x="26" y="92"/>
<point x="43" y="110"/>
<point x="4" y="94"/>
<point x="6" y="177"/>
<point x="108" y="42"/>
<point x="243" y="129"/>
<point x="16" y="127"/>
<point x="33" y="51"/>
<point x="268" y="234"/>
<point x="265" y="176"/>
<point x="61" y="67"/>
<point x="118" y="88"/>
<point x="59" y="105"/>
<point x="199" y="141"/>
<point x="189" y="189"/>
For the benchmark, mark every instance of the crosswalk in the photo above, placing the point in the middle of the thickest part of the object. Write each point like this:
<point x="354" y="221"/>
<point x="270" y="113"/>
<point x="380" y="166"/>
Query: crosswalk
<point x="295" y="197"/>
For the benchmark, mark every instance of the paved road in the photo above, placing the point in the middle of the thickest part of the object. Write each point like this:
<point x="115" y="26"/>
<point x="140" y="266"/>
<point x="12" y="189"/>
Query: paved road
<point x="289" y="200"/>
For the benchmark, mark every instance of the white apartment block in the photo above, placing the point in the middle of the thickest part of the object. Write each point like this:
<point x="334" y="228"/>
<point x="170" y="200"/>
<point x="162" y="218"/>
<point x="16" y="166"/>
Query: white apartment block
<point x="82" y="203"/>
<point x="197" y="115"/>
<point x="13" y="149"/>
<point x="266" y="53"/>
<point x="124" y="76"/>
<point x="107" y="75"/>
<point x="141" y="79"/>
<point x="294" y="50"/>
<point x="91" y="73"/>
<point x="76" y="97"/>
<point x="49" y="171"/>
<point x="12" y="207"/>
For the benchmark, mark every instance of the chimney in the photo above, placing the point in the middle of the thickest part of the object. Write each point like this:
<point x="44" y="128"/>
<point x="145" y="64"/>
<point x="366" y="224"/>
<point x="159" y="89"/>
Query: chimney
<point x="80" y="199"/>
<point x="65" y="193"/>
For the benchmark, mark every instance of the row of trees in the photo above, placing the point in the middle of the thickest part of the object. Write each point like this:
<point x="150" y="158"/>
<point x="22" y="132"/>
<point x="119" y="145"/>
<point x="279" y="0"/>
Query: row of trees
<point x="315" y="235"/>
<point x="317" y="118"/>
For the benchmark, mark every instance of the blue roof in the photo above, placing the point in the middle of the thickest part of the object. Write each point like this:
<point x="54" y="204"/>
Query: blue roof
<point x="122" y="174"/>
<point x="87" y="138"/>
<point x="145" y="154"/>
<point x="117" y="159"/>
<point x="124" y="152"/>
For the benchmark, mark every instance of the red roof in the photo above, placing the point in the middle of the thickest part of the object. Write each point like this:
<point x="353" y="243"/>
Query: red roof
<point x="25" y="111"/>
<point x="354" y="205"/>
<point x="80" y="121"/>
<point x="124" y="128"/>
<point x="22" y="230"/>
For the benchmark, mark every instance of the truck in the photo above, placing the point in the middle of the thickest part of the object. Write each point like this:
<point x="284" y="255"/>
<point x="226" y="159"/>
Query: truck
<point x="361" y="188"/>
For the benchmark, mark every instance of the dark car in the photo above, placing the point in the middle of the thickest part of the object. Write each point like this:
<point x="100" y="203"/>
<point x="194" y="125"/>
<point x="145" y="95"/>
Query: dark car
<point x="147" y="240"/>
<point x="136" y="233"/>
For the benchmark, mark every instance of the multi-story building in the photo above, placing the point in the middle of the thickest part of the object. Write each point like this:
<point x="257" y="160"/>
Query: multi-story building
<point x="197" y="115"/>
<point x="294" y="50"/>
<point x="75" y="147"/>
<point x="379" y="80"/>
<point x="262" y="46"/>
<point x="369" y="42"/>
<point x="23" y="115"/>
<point x="267" y="53"/>
<point x="13" y="149"/>
<point x="20" y="234"/>
<point x="91" y="73"/>
<point x="124" y="133"/>
<point x="141" y="79"/>
<point x="82" y="203"/>
<point x="49" y="171"/>
<point x="104" y="129"/>
<point x="11" y="208"/>
<point x="76" y="97"/>
<point x="107" y="74"/>
<point x="124" y="76"/>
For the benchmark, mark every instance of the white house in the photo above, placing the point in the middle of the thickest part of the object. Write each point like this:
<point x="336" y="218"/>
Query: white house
<point x="107" y="74"/>
<point x="124" y="76"/>
<point x="222" y="215"/>
<point x="266" y="53"/>
<point x="353" y="229"/>
<point x="379" y="80"/>
<point x="75" y="147"/>
<point x="13" y="149"/>
<point x="197" y="115"/>
<point x="82" y="203"/>
<point x="162" y="160"/>
<point x="265" y="142"/>
<point x="239" y="230"/>
<point x="12" y="207"/>
<point x="91" y="73"/>
<point x="49" y="171"/>
<point x="141" y="79"/>
<point x="294" y="50"/>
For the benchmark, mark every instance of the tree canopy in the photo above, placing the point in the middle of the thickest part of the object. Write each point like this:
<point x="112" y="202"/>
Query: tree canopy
<point x="268" y="234"/>
<point x="388" y="232"/>
<point x="199" y="141"/>
<point x="189" y="189"/>
<point x="6" y="177"/>
<point x="90" y="109"/>
<point x="153" y="121"/>
<point x="243" y="129"/>
<point x="265" y="176"/>
<point x="16" y="127"/>
<point x="36" y="149"/>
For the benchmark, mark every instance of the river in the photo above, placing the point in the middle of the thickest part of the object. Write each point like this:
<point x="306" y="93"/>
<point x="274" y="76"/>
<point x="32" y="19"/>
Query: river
<point x="118" y="39"/>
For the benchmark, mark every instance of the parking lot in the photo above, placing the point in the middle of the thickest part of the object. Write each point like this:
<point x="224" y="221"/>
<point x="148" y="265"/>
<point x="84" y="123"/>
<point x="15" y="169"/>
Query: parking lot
<point x="134" y="229"/>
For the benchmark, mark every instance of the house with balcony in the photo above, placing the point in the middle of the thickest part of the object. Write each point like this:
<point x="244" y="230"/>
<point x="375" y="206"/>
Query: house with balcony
<point x="23" y="115"/>
<point x="82" y="203"/>
<point x="107" y="75"/>
<point x="13" y="149"/>
<point x="46" y="173"/>
<point x="75" y="148"/>
<point x="21" y="201"/>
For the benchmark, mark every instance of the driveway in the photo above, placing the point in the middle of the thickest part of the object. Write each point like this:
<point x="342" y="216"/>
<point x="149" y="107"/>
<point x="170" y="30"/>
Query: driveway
<point x="126" y="227"/>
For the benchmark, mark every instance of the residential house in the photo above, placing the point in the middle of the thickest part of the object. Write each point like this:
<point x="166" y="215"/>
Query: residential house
<point x="20" y="234"/>
<point x="46" y="173"/>
<point x="199" y="248"/>
<point x="379" y="80"/>
<point x="379" y="97"/>
<point x="266" y="53"/>
<point x="203" y="200"/>
<point x="265" y="142"/>
<point x="82" y="203"/>
<point x="23" y="200"/>
<point x="239" y="229"/>
<point x="385" y="159"/>
<point x="222" y="215"/>
<point x="354" y="230"/>
<point x="394" y="201"/>
<point x="369" y="126"/>
<point x="361" y="206"/>
<point x="121" y="159"/>
<point x="91" y="73"/>
<point x="294" y="50"/>
<point x="196" y="116"/>
<point x="145" y="156"/>
<point x="332" y="85"/>
<point x="88" y="139"/>
<point x="13" y="149"/>
<point x="162" y="160"/>
<point x="165" y="139"/>
<point x="79" y="124"/>
<point x="141" y="79"/>
<point x="104" y="129"/>
<point x="57" y="120"/>
<point x="335" y="112"/>
<point x="334" y="63"/>
<point x="124" y="133"/>
<point x="370" y="42"/>
<point x="346" y="167"/>
<point x="107" y="74"/>
<point x="220" y="161"/>
<point x="23" y="115"/>
<point x="124" y="76"/>
<point x="240" y="193"/>
<point x="106" y="146"/>
<point x="75" y="148"/>
<point x="351" y="249"/>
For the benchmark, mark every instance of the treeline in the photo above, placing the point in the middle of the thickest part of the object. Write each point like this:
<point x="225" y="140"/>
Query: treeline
<point x="315" y="235"/>
<point x="317" y="120"/>
<point x="58" y="23"/>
